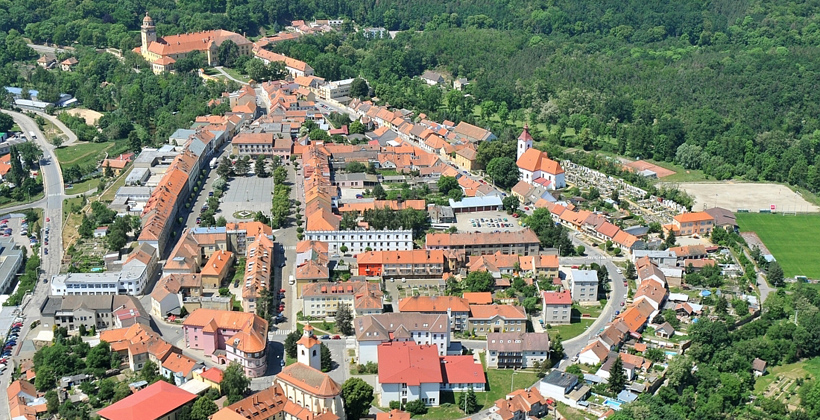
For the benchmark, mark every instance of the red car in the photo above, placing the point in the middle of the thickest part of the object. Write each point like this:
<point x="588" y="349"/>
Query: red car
<point x="281" y="290"/>
<point x="48" y="219"/>
<point x="622" y="303"/>
<point x="336" y="337"/>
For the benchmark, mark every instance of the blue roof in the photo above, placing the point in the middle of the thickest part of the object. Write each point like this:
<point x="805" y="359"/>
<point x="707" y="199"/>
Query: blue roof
<point x="547" y="196"/>
<point x="207" y="230"/>
<point x="16" y="91"/>
<point x="627" y="396"/>
<point x="486" y="201"/>
<point x="705" y="293"/>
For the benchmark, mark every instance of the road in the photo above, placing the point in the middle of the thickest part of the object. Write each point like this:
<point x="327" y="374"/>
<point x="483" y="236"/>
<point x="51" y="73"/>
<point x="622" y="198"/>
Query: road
<point x="71" y="137"/>
<point x="224" y="73"/>
<point x="46" y="50"/>
<point x="52" y="206"/>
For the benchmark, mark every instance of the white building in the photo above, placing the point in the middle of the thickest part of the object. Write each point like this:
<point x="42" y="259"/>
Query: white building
<point x="373" y="330"/>
<point x="337" y="89"/>
<point x="584" y="285"/>
<point x="137" y="269"/>
<point x="358" y="241"/>
<point x="308" y="349"/>
<point x="516" y="350"/>
<point x="323" y="299"/>
<point x="535" y="167"/>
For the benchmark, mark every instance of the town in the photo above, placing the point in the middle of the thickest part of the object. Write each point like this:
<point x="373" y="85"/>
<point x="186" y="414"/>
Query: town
<point x="309" y="254"/>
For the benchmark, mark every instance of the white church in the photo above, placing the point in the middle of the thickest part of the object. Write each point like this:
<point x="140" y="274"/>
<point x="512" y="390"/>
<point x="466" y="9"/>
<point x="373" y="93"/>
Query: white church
<point x="536" y="167"/>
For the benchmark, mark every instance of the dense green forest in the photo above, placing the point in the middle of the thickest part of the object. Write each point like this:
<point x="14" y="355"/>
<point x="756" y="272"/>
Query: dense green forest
<point x="729" y="87"/>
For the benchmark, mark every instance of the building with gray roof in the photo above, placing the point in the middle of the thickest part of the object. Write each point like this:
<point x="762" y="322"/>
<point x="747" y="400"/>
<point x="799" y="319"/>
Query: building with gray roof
<point x="372" y="330"/>
<point x="516" y="350"/>
<point x="98" y="311"/>
<point x="11" y="258"/>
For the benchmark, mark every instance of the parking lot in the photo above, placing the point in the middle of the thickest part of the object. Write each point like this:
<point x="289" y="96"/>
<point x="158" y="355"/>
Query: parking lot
<point x="492" y="221"/>
<point x="249" y="193"/>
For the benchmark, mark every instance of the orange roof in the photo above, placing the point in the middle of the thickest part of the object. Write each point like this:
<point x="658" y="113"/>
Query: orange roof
<point x="318" y="246"/>
<point x="311" y="270"/>
<point x="478" y="298"/>
<point x="289" y="62"/>
<point x="641" y="347"/>
<point x="179" y="363"/>
<point x="652" y="290"/>
<point x="637" y="315"/>
<point x="699" y="216"/>
<point x="212" y="374"/>
<point x="253" y="138"/>
<point x="434" y="304"/>
<point x="255" y="327"/>
<point x="506" y="312"/>
<point x="309" y="341"/>
<point x="416" y="256"/>
<point x="218" y="264"/>
<point x="394" y="414"/>
<point x="551" y="297"/>
<point x="115" y="163"/>
<point x="20" y="386"/>
<point x="309" y="379"/>
<point x="197" y="41"/>
<point x="535" y="160"/>
<point x="598" y="348"/>
<point x="152" y="402"/>
<point x="625" y="239"/>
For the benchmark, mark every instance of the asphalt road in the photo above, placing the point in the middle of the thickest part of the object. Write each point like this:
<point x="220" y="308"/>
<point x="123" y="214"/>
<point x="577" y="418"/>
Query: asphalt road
<point x="52" y="205"/>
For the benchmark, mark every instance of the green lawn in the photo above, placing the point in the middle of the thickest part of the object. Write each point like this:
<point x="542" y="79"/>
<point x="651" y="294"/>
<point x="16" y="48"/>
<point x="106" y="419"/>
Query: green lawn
<point x="572" y="330"/>
<point x="85" y="153"/>
<point x="791" y="239"/>
<point x="681" y="174"/>
<point x="67" y="203"/>
<point x="236" y="74"/>
<point x="81" y="187"/>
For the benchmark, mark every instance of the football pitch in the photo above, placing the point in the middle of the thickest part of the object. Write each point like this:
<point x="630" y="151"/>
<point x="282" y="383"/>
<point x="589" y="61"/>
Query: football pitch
<point x="794" y="240"/>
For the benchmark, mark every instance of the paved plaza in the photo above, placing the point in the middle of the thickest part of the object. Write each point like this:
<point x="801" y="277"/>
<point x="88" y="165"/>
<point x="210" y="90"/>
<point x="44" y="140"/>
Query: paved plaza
<point x="249" y="193"/>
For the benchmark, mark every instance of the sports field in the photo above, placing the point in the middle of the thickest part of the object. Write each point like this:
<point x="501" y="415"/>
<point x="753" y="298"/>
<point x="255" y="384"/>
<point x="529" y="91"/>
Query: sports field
<point x="793" y="240"/>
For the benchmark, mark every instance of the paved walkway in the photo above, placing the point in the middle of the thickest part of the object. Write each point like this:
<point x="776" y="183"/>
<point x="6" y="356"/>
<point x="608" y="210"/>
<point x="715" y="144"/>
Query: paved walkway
<point x="224" y="73"/>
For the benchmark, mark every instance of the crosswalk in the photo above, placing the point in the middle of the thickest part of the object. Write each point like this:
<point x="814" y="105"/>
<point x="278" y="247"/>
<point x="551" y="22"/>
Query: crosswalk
<point x="290" y="247"/>
<point x="279" y="332"/>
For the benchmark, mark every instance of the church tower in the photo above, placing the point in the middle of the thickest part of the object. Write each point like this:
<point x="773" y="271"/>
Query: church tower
<point x="308" y="349"/>
<point x="149" y="33"/>
<point x="524" y="141"/>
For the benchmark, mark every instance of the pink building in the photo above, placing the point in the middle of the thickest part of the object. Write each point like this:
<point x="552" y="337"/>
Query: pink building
<point x="229" y="336"/>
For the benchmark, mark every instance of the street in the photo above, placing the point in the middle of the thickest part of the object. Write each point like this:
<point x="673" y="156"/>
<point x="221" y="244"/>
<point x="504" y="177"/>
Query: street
<point x="52" y="205"/>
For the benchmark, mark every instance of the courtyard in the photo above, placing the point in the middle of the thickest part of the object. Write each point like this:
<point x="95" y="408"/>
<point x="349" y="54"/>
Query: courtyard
<point x="494" y="221"/>
<point x="246" y="195"/>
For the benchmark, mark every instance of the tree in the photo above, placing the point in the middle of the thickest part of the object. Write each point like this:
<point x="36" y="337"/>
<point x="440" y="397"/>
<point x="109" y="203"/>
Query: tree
<point x="149" y="372"/>
<point x="655" y="354"/>
<point x="57" y="141"/>
<point x="344" y="320"/>
<point x="234" y="382"/>
<point x="327" y="359"/>
<point x="355" y="167"/>
<point x="478" y="281"/>
<point x="6" y="122"/>
<point x="416" y="407"/>
<point x="630" y="272"/>
<point x="550" y="234"/>
<point x="503" y="171"/>
<point x="468" y="402"/>
<point x="242" y="165"/>
<point x="227" y="53"/>
<point x="259" y="166"/>
<point x="224" y="169"/>
<point x="580" y="250"/>
<point x="134" y="142"/>
<point x="357" y="396"/>
<point x="359" y="88"/>
<point x="670" y="240"/>
<point x="774" y="273"/>
<point x="447" y="183"/>
<point x="105" y="389"/>
<point x="511" y="204"/>
<point x="52" y="401"/>
<point x="108" y="172"/>
<point x="456" y="194"/>
<point x="617" y="378"/>
<point x="203" y="408"/>
<point x="356" y="127"/>
<point x="99" y="357"/>
<point x="290" y="343"/>
<point x="82" y="330"/>
<point x="280" y="175"/>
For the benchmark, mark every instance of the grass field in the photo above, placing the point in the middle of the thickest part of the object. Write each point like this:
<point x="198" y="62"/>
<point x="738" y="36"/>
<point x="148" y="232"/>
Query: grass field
<point x="573" y="330"/>
<point x="793" y="370"/>
<point x="681" y="174"/>
<point x="791" y="239"/>
<point x="85" y="153"/>
<point x="81" y="187"/>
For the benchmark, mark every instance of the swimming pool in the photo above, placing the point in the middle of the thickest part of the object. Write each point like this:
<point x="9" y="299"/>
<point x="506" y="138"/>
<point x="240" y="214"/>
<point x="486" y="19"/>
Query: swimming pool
<point x="670" y="354"/>
<point x="615" y="405"/>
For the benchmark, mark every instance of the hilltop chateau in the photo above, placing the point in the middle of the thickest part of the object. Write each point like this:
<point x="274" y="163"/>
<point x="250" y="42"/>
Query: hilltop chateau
<point x="163" y="52"/>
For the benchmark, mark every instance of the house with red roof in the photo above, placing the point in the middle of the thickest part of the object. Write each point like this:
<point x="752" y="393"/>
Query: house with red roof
<point x="417" y="372"/>
<point x="557" y="307"/>
<point x="160" y="400"/>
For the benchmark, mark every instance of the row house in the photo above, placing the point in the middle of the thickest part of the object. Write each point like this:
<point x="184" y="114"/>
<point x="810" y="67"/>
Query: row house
<point x="524" y="242"/>
<point x="456" y="308"/>
<point x="423" y="329"/>
<point x="323" y="299"/>
<point x="485" y="319"/>
<point x="394" y="264"/>
<point x="257" y="272"/>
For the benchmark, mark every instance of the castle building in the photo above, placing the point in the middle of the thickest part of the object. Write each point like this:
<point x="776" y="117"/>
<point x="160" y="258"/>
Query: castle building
<point x="163" y="52"/>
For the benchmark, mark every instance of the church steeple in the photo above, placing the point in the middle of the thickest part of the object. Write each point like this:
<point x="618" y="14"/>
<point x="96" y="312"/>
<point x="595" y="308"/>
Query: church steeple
<point x="308" y="349"/>
<point x="524" y="141"/>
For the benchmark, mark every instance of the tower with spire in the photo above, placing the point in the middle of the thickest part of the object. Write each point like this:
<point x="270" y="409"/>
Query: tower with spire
<point x="308" y="349"/>
<point x="149" y="33"/>
<point x="524" y="142"/>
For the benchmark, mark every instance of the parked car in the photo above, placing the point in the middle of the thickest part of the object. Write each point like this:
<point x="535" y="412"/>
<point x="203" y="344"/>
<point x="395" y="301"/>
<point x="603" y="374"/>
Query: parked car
<point x="48" y="219"/>
<point x="45" y="251"/>
<point x="198" y="220"/>
<point x="337" y="337"/>
<point x="325" y="337"/>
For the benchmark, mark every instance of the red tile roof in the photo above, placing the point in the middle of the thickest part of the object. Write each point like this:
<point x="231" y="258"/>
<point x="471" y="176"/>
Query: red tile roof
<point x="462" y="370"/>
<point x="507" y="312"/>
<point x="153" y="402"/>
<point x="212" y="374"/>
<point x="478" y="298"/>
<point x="410" y="364"/>
<point x="557" y="298"/>
<point x="433" y="304"/>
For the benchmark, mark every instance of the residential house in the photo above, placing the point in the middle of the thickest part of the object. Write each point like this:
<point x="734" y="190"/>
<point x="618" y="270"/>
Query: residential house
<point x="723" y="218"/>
<point x="91" y="311"/>
<point x="310" y="272"/>
<point x="556" y="307"/>
<point x="138" y="344"/>
<point x="485" y="319"/>
<point x="216" y="269"/>
<point x="179" y="367"/>
<point x="455" y="307"/>
<point x="497" y="264"/>
<point x="460" y="83"/>
<point x="423" y="329"/>
<point x="393" y="264"/>
<point x="211" y="376"/>
<point x="471" y="133"/>
<point x="516" y="350"/>
<point x="584" y="285"/>
<point x="414" y="373"/>
<point x="539" y="265"/>
<point x="322" y="300"/>
<point x="665" y="330"/>
<point x="594" y="353"/>
<point x="521" y="404"/>
<point x="466" y="159"/>
<point x="604" y="371"/>
<point x="158" y="401"/>
<point x="758" y="367"/>
<point x="478" y="298"/>
<point x="557" y="384"/>
<point x="432" y="78"/>
<point x="394" y="414"/>
<point x="229" y="336"/>
<point x="171" y="292"/>
<point x="461" y="373"/>
<point x="523" y="242"/>
<point x="257" y="272"/>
